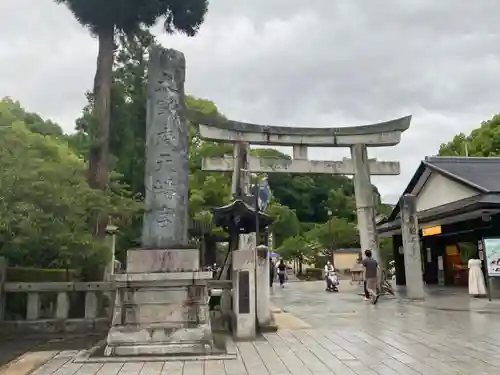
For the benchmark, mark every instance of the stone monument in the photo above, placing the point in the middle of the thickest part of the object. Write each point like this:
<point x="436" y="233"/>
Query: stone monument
<point x="161" y="301"/>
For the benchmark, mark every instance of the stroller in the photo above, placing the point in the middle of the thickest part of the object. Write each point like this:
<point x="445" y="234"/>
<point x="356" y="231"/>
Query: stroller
<point x="332" y="282"/>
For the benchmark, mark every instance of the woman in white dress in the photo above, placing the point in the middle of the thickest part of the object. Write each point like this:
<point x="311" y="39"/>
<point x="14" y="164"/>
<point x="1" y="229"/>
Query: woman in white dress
<point x="476" y="278"/>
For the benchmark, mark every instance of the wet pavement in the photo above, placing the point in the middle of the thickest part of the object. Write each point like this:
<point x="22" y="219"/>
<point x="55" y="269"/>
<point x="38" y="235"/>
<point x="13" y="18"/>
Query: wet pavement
<point x="338" y="333"/>
<point x="448" y="333"/>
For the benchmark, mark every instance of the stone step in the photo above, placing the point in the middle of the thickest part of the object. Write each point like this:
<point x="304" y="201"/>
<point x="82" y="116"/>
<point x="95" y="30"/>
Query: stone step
<point x="164" y="303"/>
<point x="133" y="327"/>
<point x="160" y="349"/>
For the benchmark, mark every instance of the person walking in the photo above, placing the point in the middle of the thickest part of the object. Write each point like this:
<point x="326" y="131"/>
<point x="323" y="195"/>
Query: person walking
<point x="370" y="277"/>
<point x="328" y="269"/>
<point x="214" y="270"/>
<point x="272" y="272"/>
<point x="282" y="273"/>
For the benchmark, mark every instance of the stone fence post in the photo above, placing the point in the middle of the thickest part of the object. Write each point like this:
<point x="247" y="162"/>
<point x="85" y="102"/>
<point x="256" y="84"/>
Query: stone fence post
<point x="3" y="278"/>
<point x="263" y="289"/>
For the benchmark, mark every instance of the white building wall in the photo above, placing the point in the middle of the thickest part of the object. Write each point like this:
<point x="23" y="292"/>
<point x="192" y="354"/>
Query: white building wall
<point x="439" y="190"/>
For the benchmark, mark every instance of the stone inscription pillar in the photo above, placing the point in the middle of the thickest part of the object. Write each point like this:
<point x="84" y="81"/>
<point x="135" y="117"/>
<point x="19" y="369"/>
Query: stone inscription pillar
<point x="161" y="302"/>
<point x="166" y="175"/>
<point x="411" y="248"/>
<point x="365" y="203"/>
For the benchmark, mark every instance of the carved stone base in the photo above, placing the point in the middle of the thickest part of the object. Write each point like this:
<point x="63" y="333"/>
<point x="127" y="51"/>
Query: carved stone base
<point x="161" y="313"/>
<point x="129" y="341"/>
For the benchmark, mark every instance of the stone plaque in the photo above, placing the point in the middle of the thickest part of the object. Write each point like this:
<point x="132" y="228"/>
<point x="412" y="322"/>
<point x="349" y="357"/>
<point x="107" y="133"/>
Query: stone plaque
<point x="244" y="292"/>
<point x="162" y="260"/>
<point x="166" y="173"/>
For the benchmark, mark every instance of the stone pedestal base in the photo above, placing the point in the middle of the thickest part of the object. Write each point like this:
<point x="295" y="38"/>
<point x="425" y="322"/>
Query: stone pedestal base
<point x="161" y="312"/>
<point x="244" y="294"/>
<point x="130" y="341"/>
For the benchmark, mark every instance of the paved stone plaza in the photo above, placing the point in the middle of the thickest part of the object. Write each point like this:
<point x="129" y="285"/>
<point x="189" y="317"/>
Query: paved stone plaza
<point x="329" y="333"/>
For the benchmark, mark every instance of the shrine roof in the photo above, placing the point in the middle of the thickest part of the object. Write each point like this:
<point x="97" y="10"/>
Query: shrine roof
<point x="246" y="213"/>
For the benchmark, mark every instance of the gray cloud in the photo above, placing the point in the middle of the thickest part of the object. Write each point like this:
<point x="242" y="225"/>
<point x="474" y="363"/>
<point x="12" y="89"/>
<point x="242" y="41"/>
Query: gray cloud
<point x="321" y="63"/>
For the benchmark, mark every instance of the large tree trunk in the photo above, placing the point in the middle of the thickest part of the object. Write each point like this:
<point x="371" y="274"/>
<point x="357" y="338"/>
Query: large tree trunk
<point x="99" y="132"/>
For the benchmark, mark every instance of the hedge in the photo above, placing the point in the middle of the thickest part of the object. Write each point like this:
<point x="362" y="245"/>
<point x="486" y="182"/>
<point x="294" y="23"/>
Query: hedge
<point x="31" y="275"/>
<point x="314" y="273"/>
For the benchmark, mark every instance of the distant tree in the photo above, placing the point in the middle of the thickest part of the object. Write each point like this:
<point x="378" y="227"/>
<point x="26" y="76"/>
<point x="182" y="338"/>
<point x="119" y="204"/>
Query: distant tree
<point x="315" y="198"/>
<point x="386" y="251"/>
<point x="297" y="249"/>
<point x="46" y="204"/>
<point x="285" y="225"/>
<point x="104" y="20"/>
<point x="336" y="233"/>
<point x="482" y="141"/>
<point x="11" y="111"/>
<point x="456" y="147"/>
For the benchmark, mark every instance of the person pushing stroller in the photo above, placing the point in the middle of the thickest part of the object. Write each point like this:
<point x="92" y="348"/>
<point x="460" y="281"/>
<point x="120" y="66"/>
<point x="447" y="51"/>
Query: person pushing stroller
<point x="331" y="278"/>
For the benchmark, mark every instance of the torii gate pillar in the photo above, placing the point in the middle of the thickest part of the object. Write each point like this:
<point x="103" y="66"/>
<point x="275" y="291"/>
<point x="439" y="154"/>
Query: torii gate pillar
<point x="365" y="202"/>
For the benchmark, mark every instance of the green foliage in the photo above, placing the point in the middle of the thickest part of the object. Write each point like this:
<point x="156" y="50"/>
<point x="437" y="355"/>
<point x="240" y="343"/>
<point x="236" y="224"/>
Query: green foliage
<point x="105" y="19"/>
<point x="336" y="233"/>
<point x="482" y="141"/>
<point x="296" y="247"/>
<point x="128" y="111"/>
<point x="384" y="209"/>
<point x="11" y="111"/>
<point x="206" y="189"/>
<point x="285" y="224"/>
<point x="46" y="204"/>
<point x="314" y="198"/>
<point x="130" y="15"/>
<point x="468" y="250"/>
<point x="342" y="203"/>
<point x="314" y="273"/>
<point x="386" y="251"/>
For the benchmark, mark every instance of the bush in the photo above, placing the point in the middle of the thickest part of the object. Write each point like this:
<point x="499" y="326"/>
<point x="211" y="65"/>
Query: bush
<point x="314" y="273"/>
<point x="27" y="274"/>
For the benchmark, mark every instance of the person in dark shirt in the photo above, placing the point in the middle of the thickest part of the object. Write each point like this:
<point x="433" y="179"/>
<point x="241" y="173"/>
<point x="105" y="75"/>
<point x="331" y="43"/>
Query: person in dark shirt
<point x="371" y="268"/>
<point x="282" y="273"/>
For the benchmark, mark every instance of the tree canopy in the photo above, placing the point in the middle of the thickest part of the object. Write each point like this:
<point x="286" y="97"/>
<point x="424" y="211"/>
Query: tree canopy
<point x="482" y="141"/>
<point x="11" y="112"/>
<point x="285" y="225"/>
<point x="130" y="17"/>
<point x="46" y="203"/>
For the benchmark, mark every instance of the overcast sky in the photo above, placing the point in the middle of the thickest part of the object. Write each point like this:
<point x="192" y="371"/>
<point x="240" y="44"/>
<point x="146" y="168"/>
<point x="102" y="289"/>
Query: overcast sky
<point x="292" y="62"/>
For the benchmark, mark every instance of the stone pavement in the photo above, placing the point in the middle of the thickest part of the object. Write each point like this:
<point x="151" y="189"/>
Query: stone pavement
<point x="338" y="333"/>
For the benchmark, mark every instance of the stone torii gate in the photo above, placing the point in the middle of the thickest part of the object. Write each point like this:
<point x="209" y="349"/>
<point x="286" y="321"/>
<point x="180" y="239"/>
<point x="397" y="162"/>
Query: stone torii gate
<point x="357" y="138"/>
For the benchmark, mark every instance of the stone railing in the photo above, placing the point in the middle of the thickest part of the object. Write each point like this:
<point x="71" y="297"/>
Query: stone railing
<point x="47" y="307"/>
